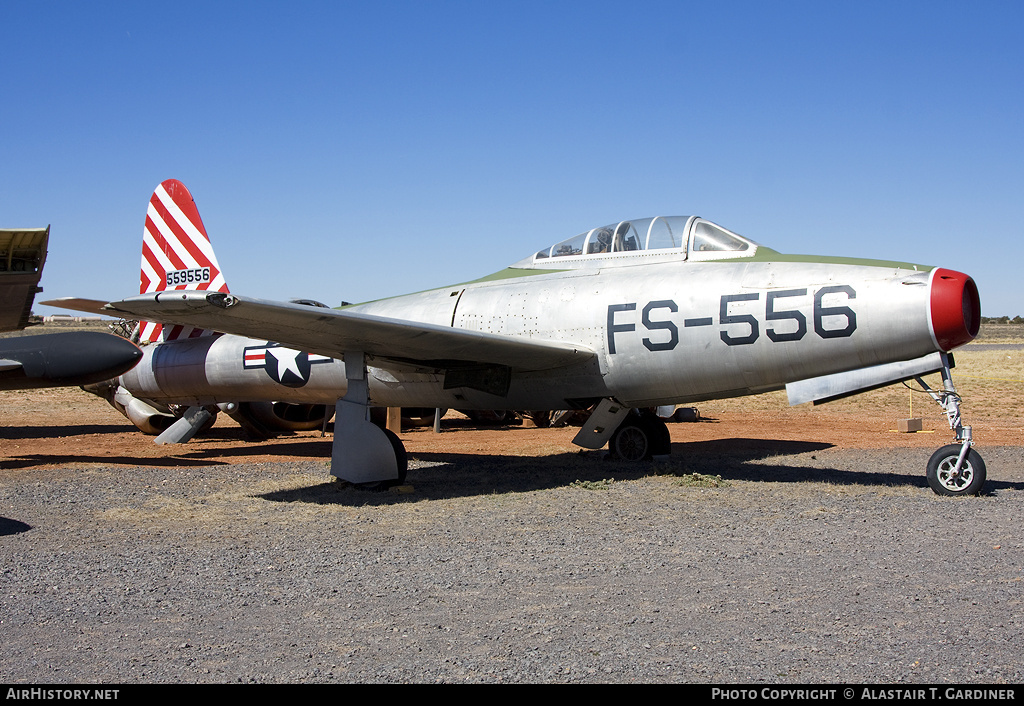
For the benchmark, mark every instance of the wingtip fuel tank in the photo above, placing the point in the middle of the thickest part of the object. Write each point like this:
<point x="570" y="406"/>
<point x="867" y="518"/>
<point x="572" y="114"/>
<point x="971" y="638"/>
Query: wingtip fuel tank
<point x="59" y="359"/>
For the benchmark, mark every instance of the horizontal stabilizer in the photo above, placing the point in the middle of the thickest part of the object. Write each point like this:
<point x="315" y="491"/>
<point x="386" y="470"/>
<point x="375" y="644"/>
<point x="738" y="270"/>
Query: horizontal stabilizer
<point x="87" y="306"/>
<point x="332" y="332"/>
<point x="833" y="387"/>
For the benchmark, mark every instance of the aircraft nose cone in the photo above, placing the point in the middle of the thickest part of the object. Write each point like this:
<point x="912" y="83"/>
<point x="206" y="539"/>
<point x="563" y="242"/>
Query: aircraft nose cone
<point x="955" y="308"/>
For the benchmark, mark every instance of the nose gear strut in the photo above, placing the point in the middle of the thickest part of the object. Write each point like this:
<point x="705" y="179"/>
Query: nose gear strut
<point x="956" y="469"/>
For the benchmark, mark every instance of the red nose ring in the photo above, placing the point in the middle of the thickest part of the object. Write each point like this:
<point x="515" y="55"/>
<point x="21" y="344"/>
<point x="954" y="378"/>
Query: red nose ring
<point x="955" y="308"/>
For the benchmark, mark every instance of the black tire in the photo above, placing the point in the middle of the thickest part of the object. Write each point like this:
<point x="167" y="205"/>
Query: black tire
<point x="970" y="480"/>
<point x="208" y="425"/>
<point x="400" y="456"/>
<point x="632" y="440"/>
<point x="661" y="439"/>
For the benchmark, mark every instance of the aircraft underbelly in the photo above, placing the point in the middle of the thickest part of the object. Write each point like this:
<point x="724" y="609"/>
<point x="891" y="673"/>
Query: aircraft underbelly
<point x="215" y="369"/>
<point x="525" y="392"/>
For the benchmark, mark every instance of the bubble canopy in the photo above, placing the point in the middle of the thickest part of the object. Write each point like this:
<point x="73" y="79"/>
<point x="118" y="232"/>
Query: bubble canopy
<point x="690" y="236"/>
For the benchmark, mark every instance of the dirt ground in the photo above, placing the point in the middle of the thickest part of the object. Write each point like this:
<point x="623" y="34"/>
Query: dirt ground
<point x="823" y="557"/>
<point x="46" y="428"/>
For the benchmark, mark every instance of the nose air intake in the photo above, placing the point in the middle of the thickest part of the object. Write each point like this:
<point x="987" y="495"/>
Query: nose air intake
<point x="955" y="308"/>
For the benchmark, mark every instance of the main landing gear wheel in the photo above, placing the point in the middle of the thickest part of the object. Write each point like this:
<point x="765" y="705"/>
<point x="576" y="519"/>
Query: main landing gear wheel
<point x="400" y="456"/>
<point x="362" y="453"/>
<point x="945" y="480"/>
<point x="639" y="438"/>
<point x="630" y="441"/>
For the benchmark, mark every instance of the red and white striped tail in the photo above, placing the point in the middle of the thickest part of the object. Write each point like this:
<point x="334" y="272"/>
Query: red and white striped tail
<point x="176" y="254"/>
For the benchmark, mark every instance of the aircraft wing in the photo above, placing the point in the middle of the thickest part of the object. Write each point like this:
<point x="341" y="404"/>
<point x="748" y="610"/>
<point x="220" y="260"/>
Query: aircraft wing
<point x="88" y="306"/>
<point x="332" y="332"/>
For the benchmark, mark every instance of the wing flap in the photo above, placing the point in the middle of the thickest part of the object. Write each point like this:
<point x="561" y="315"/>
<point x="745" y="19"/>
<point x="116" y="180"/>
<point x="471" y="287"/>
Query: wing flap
<point x="332" y="332"/>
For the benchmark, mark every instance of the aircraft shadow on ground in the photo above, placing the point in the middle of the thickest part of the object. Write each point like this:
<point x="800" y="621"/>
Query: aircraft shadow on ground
<point x="9" y="526"/>
<point x="59" y="432"/>
<point x="37" y="460"/>
<point x="451" y="475"/>
<point x="191" y="455"/>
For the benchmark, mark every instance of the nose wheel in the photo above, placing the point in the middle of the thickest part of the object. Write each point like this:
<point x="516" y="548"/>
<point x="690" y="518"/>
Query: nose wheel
<point x="956" y="469"/>
<point x="948" y="474"/>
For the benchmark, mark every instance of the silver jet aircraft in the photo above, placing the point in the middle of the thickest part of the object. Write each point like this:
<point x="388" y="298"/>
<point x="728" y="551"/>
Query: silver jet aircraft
<point x="616" y="320"/>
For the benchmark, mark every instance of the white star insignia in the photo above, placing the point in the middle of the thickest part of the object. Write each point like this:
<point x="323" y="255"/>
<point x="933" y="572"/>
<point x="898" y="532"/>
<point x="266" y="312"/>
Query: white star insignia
<point x="285" y="361"/>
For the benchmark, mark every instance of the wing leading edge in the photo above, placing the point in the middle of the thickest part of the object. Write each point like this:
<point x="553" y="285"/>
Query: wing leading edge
<point x="332" y="332"/>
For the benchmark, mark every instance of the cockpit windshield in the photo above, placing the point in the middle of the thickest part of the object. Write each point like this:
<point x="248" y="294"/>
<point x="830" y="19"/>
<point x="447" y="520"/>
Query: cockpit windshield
<point x="707" y="237"/>
<point x="701" y="239"/>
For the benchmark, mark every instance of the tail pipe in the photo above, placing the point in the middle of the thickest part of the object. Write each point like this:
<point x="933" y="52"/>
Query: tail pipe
<point x="955" y="308"/>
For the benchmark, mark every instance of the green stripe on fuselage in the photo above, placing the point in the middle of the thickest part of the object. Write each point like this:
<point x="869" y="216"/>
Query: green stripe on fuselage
<point x="764" y="254"/>
<point x="507" y="273"/>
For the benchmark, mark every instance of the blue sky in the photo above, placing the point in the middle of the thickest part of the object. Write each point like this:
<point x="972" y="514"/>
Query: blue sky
<point x="360" y="150"/>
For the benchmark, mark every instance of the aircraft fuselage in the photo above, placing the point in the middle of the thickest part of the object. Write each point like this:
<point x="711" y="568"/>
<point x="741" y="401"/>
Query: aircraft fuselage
<point x="664" y="333"/>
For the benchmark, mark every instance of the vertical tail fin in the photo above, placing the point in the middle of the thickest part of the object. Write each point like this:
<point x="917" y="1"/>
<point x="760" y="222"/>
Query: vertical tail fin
<point x="176" y="254"/>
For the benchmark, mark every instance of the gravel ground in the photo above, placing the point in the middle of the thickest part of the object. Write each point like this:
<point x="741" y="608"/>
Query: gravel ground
<point x="809" y="564"/>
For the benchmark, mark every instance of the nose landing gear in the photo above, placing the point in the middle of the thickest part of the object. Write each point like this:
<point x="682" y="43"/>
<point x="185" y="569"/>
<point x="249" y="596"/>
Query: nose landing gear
<point x="956" y="469"/>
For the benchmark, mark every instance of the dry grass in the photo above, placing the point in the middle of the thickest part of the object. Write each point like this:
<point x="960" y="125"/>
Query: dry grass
<point x="991" y="383"/>
<point x="1001" y="333"/>
<point x="102" y="325"/>
<point x="701" y="480"/>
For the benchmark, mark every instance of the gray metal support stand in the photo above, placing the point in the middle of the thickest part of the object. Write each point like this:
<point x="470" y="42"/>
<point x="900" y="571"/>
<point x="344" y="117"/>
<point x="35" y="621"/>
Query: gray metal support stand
<point x="186" y="427"/>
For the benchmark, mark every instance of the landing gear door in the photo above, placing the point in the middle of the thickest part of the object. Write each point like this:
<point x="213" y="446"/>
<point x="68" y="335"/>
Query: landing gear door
<point x="601" y="424"/>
